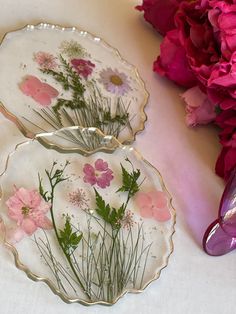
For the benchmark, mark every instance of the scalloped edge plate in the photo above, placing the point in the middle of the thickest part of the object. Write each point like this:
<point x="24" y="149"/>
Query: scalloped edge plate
<point x="8" y="113"/>
<point x="63" y="296"/>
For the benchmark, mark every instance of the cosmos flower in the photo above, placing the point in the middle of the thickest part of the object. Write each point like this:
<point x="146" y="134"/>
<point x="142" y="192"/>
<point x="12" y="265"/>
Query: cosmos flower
<point x="114" y="81"/>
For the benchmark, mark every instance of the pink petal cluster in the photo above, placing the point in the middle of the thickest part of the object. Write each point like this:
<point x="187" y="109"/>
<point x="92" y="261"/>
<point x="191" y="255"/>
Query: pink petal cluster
<point x="200" y="110"/>
<point x="174" y="64"/>
<point x="227" y="159"/>
<point x="41" y="92"/>
<point x="153" y="205"/>
<point x="98" y="174"/>
<point x="29" y="210"/>
<point x="199" y="52"/>
<point x="83" y="67"/>
<point x="160" y="13"/>
<point x="45" y="60"/>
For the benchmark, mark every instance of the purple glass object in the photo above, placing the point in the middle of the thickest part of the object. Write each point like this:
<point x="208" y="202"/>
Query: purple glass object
<point x="220" y="236"/>
<point x="216" y="241"/>
<point x="227" y="210"/>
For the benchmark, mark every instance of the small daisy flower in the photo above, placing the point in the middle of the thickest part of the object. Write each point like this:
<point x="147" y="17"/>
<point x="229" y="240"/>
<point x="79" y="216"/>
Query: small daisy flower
<point x="114" y="81"/>
<point x="79" y="199"/>
<point x="45" y="60"/>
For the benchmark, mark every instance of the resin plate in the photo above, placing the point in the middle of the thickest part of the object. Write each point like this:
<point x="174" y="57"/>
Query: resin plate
<point x="92" y="226"/>
<point x="54" y="77"/>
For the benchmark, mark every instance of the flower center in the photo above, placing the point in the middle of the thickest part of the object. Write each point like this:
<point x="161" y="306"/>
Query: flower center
<point x="81" y="67"/>
<point x="116" y="80"/>
<point x="25" y="210"/>
<point x="97" y="174"/>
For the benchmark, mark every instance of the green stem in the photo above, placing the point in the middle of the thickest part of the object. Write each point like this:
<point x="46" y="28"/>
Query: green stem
<point x="59" y="241"/>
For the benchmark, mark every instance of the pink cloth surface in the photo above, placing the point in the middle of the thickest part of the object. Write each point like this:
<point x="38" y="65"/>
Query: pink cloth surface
<point x="193" y="282"/>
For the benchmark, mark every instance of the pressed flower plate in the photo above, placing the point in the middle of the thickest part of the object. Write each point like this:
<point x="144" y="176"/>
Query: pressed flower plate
<point x="54" y="77"/>
<point x="92" y="225"/>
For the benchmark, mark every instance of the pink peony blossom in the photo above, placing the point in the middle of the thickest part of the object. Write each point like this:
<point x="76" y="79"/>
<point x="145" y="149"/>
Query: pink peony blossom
<point x="99" y="174"/>
<point x="222" y="83"/>
<point x="222" y="17"/>
<point x="83" y="67"/>
<point x="29" y="210"/>
<point x="173" y="62"/>
<point x="41" y="92"/>
<point x="200" y="51"/>
<point x="227" y="160"/>
<point x="153" y="205"/>
<point x="200" y="110"/>
<point x="160" y="13"/>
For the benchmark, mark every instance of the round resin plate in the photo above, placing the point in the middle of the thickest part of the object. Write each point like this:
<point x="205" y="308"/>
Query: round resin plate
<point x="92" y="227"/>
<point x="54" y="77"/>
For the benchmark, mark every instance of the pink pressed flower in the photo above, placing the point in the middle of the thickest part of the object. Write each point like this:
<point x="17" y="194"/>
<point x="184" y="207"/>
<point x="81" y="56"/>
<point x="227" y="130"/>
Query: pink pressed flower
<point x="153" y="205"/>
<point x="42" y="93"/>
<point x="14" y="235"/>
<point x="78" y="198"/>
<point x="83" y="67"/>
<point x="127" y="221"/>
<point x="45" y="60"/>
<point x="114" y="81"/>
<point x="100" y="174"/>
<point x="29" y="210"/>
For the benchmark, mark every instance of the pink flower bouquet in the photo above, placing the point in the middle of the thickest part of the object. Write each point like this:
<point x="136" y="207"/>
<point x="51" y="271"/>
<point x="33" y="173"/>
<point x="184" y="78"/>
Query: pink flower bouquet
<point x="199" y="52"/>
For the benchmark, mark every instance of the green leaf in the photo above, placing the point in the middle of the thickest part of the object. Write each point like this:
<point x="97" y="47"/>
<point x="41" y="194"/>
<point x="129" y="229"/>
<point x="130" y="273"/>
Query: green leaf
<point x="69" y="239"/>
<point x="59" y="77"/>
<point x="121" y="211"/>
<point x="129" y="181"/>
<point x="41" y="190"/>
<point x="104" y="210"/>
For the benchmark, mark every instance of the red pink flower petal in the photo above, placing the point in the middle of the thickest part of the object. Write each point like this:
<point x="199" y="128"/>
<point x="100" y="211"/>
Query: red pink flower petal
<point x="153" y="204"/>
<point x="41" y="92"/>
<point x="101" y="165"/>
<point x="98" y="174"/>
<point x="162" y="214"/>
<point x="28" y="209"/>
